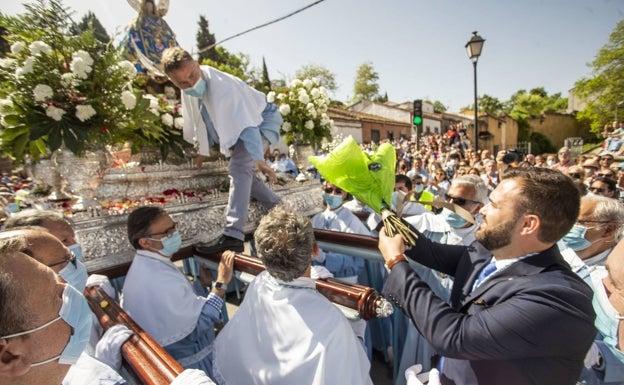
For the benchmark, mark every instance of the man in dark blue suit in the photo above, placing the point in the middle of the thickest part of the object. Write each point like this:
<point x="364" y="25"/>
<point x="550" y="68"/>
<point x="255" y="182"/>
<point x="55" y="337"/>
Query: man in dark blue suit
<point x="531" y="320"/>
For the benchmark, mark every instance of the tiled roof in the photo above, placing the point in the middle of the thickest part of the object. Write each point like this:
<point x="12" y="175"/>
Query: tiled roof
<point x="338" y="113"/>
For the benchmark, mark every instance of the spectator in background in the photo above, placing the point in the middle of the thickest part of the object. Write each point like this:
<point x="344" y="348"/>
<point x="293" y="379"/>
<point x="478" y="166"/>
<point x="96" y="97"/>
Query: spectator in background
<point x="417" y="168"/>
<point x="605" y="162"/>
<point x="335" y="217"/>
<point x="551" y="160"/>
<point x="591" y="167"/>
<point x="577" y="173"/>
<point x="403" y="194"/>
<point x="603" y="186"/>
<point x="439" y="185"/>
<point x="490" y="174"/>
<point x="540" y="161"/>
<point x="565" y="160"/>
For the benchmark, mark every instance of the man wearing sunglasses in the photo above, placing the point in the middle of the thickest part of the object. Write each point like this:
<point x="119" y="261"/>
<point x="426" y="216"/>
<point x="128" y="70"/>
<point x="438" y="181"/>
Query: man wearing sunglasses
<point x="335" y="217"/>
<point x="603" y="186"/>
<point x="467" y="192"/>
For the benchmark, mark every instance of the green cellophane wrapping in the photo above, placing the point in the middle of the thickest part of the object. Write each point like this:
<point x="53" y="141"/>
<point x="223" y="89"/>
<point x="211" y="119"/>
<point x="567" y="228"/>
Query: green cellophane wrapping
<point x="370" y="178"/>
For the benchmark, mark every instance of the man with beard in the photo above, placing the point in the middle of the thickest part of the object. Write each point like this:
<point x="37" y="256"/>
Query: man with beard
<point x="516" y="314"/>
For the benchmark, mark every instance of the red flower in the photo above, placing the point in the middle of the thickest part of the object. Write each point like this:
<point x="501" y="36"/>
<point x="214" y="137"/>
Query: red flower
<point x="105" y="129"/>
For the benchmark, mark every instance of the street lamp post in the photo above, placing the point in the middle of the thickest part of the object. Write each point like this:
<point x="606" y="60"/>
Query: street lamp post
<point x="473" y="47"/>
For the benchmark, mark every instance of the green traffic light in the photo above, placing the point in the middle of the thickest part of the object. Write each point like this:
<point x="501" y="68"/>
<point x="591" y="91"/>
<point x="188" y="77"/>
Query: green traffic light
<point x="417" y="120"/>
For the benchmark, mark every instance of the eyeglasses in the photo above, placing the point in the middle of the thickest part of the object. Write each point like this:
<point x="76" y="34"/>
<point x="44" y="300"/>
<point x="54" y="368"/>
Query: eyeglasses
<point x="606" y="175"/>
<point x="587" y="221"/>
<point x="607" y="159"/>
<point x="70" y="258"/>
<point x="167" y="233"/>
<point x="575" y="175"/>
<point x="458" y="201"/>
<point x="599" y="190"/>
<point x="333" y="190"/>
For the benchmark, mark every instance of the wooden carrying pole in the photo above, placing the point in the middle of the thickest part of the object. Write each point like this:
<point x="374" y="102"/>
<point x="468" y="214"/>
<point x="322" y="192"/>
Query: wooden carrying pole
<point x="147" y="360"/>
<point x="365" y="300"/>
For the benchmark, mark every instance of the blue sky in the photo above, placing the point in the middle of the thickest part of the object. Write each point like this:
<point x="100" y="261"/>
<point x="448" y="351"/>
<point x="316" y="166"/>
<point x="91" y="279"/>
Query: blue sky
<point x="416" y="47"/>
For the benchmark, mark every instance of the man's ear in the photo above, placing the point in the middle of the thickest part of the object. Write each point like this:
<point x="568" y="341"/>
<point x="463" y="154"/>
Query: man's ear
<point x="146" y="244"/>
<point x="12" y="353"/>
<point x="315" y="250"/>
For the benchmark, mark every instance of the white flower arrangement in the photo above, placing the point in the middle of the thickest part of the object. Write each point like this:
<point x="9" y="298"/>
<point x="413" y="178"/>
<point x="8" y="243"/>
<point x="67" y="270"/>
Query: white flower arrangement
<point x="303" y="107"/>
<point x="62" y="89"/>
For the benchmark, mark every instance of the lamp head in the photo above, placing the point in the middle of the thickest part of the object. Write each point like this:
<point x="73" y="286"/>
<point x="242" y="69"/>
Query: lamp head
<point x="474" y="46"/>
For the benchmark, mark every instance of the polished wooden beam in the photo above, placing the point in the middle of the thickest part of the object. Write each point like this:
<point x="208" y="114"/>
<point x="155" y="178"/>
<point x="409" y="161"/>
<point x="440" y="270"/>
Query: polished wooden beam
<point x="365" y="300"/>
<point x="145" y="358"/>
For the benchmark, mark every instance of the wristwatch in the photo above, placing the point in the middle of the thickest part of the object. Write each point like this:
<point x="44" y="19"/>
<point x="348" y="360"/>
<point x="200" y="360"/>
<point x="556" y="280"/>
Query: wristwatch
<point x="218" y="285"/>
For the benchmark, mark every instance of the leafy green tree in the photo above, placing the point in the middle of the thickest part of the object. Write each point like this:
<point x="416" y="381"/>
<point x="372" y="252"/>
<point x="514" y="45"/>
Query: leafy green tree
<point x="204" y="40"/>
<point x="324" y="75"/>
<point x="540" y="144"/>
<point x="438" y="106"/>
<point x="604" y="90"/>
<point x="490" y="104"/>
<point x="365" y="86"/>
<point x="90" y="21"/>
<point x="381" y="98"/>
<point x="234" y="64"/>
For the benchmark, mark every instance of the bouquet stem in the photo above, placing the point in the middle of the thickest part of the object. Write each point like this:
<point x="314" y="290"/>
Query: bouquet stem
<point x="395" y="225"/>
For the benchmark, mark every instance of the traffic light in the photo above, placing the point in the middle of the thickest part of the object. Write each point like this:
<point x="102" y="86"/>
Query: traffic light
<point x="417" y="112"/>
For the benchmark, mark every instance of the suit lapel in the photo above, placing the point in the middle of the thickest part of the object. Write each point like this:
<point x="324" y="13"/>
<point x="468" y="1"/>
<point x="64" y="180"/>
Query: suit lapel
<point x="527" y="266"/>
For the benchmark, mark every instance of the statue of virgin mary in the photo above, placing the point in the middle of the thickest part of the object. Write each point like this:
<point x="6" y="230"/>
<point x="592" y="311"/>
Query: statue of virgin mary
<point x="148" y="35"/>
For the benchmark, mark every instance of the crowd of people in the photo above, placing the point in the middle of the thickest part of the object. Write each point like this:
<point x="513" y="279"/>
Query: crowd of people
<point x="516" y="276"/>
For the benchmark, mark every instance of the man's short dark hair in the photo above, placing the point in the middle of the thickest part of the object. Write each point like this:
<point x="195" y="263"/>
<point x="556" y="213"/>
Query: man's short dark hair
<point x="400" y="178"/>
<point x="139" y="222"/>
<point x="549" y="194"/>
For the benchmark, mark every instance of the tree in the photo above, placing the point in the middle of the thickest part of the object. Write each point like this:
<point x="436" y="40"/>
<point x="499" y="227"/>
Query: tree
<point x="89" y="21"/>
<point x="265" y="82"/>
<point x="324" y="75"/>
<point x="234" y="64"/>
<point x="490" y="104"/>
<point x="365" y="86"/>
<point x="381" y="98"/>
<point x="604" y="91"/>
<point x="204" y="40"/>
<point x="438" y="106"/>
<point x="525" y="105"/>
